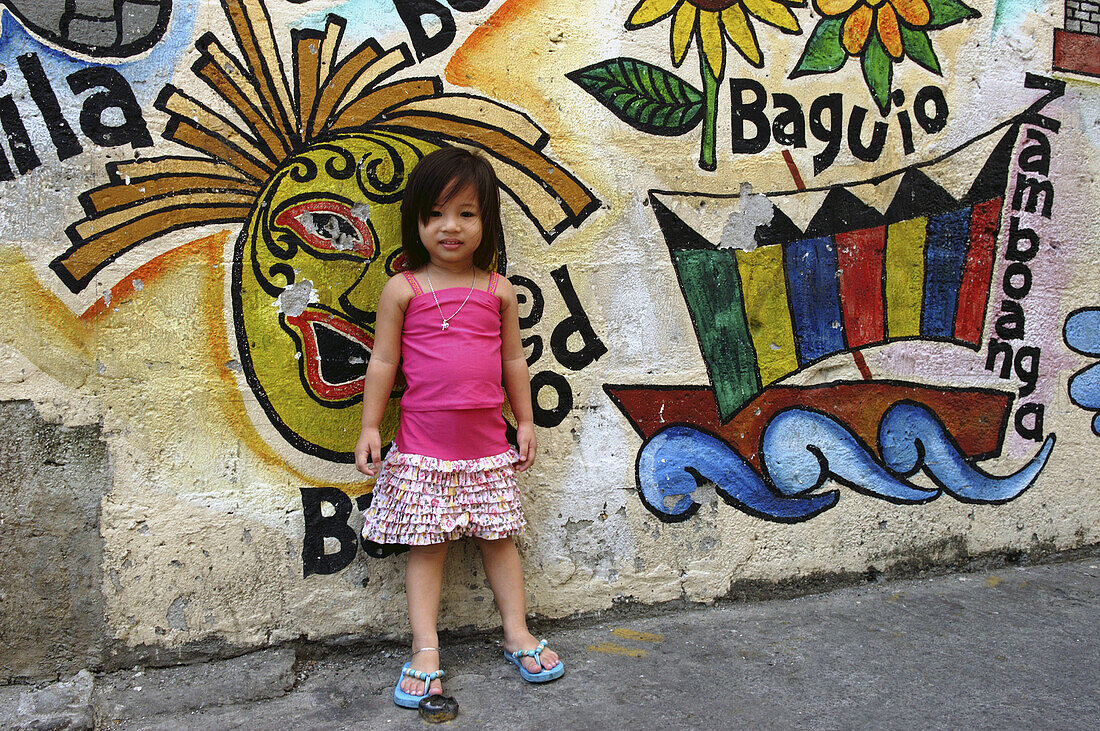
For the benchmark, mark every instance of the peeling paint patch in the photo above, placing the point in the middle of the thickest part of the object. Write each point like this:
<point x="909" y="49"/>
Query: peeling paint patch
<point x="295" y="298"/>
<point x="361" y="211"/>
<point x="334" y="228"/>
<point x="176" y="613"/>
<point x="740" y="229"/>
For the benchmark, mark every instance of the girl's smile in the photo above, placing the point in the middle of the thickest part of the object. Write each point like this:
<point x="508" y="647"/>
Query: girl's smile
<point x="452" y="232"/>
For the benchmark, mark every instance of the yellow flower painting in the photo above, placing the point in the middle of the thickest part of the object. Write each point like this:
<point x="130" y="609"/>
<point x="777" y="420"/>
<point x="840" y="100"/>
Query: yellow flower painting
<point x="654" y="100"/>
<point x="880" y="33"/>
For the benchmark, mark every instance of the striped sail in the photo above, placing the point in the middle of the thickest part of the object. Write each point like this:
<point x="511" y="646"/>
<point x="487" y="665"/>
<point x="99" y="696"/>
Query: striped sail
<point x="853" y="278"/>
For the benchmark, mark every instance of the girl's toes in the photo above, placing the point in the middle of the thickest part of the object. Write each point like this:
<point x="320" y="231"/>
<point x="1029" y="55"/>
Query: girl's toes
<point x="549" y="659"/>
<point x="531" y="666"/>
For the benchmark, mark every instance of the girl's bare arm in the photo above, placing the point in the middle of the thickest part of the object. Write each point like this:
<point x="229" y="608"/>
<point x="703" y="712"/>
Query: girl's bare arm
<point x="517" y="380"/>
<point x="381" y="372"/>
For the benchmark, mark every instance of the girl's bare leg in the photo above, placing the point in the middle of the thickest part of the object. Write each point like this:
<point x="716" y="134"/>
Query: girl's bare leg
<point x="423" y="585"/>
<point x="505" y="574"/>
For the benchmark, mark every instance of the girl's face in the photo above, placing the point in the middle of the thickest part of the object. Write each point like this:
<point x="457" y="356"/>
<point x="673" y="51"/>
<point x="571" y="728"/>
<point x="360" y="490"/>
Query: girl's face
<point x="452" y="232"/>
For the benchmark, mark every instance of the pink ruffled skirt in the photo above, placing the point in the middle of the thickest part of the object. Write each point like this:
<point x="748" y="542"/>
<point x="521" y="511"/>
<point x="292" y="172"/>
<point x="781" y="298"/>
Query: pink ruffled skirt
<point x="420" y="500"/>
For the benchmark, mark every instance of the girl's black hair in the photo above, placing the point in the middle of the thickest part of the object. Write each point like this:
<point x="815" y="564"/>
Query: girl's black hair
<point x="437" y="177"/>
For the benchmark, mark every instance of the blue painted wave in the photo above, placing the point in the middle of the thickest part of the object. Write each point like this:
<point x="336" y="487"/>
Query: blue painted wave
<point x="912" y="438"/>
<point x="802" y="449"/>
<point x="663" y="478"/>
<point x="1082" y="334"/>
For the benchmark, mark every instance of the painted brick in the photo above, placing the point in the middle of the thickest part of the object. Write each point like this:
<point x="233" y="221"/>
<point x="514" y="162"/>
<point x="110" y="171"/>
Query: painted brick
<point x="1092" y="28"/>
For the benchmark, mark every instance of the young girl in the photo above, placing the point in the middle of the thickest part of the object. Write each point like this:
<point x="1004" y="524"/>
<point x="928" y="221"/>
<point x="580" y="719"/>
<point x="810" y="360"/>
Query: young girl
<point x="451" y="324"/>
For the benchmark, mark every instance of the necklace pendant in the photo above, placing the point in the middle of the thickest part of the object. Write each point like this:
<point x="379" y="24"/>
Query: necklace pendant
<point x="445" y="325"/>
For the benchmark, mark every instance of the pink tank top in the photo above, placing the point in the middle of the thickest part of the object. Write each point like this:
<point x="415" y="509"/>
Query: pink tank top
<point x="456" y="368"/>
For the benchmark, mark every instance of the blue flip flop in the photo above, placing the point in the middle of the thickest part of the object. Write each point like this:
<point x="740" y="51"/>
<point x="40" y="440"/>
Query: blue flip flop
<point x="408" y="700"/>
<point x="543" y="676"/>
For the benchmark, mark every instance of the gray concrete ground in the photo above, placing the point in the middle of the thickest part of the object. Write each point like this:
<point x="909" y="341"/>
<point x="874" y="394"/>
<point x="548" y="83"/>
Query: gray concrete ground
<point x="1014" y="647"/>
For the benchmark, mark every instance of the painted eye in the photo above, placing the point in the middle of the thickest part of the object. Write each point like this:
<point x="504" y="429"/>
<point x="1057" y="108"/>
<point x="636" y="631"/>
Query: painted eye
<point x="331" y="226"/>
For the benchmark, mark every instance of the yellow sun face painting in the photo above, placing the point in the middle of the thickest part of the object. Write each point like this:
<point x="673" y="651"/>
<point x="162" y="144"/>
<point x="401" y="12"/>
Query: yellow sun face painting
<point x="309" y="269"/>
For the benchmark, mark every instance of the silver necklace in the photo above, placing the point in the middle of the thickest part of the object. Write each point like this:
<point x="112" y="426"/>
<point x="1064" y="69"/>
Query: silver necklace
<point x="447" y="320"/>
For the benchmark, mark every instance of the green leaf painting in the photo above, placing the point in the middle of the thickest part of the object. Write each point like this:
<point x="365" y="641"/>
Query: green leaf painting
<point x="919" y="48"/>
<point x="645" y="96"/>
<point x="948" y="12"/>
<point x="878" y="72"/>
<point x="823" y="53"/>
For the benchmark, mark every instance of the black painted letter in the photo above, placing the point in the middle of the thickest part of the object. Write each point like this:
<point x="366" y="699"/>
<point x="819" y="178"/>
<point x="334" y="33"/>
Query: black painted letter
<point x="834" y="104"/>
<point x="936" y="121"/>
<point x="789" y="126"/>
<point x="577" y="323"/>
<point x="118" y="95"/>
<point x="64" y="139"/>
<point x="413" y="13"/>
<point x="556" y="382"/>
<point x="742" y="111"/>
<point x="1035" y="431"/>
<point x="320" y="526"/>
<point x="872" y="151"/>
<point x="22" y="149"/>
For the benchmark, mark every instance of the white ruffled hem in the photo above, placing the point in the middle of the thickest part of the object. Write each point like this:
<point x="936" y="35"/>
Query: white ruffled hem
<point x="421" y="500"/>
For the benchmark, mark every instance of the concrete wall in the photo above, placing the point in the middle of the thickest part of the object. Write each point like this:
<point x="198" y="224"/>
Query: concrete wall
<point x="807" y="291"/>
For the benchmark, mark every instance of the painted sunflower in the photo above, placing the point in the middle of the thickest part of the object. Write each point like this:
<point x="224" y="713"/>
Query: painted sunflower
<point x="880" y="33"/>
<point x="883" y="15"/>
<point x="710" y="20"/>
<point x="713" y="21"/>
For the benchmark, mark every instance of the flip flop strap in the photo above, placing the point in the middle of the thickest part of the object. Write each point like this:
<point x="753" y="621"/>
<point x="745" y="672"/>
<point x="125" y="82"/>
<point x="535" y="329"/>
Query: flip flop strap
<point x="420" y="675"/>
<point x="535" y="653"/>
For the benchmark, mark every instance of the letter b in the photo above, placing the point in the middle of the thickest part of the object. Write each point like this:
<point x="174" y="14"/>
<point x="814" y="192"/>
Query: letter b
<point x="320" y="526"/>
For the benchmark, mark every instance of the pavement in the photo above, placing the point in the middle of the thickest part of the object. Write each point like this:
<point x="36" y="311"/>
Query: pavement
<point x="1010" y="647"/>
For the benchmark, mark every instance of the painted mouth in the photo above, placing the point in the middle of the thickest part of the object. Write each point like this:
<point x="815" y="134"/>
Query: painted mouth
<point x="335" y="353"/>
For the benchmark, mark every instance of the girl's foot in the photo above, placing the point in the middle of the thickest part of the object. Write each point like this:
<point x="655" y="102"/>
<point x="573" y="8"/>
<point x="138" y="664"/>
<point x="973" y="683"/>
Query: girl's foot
<point x="527" y="641"/>
<point x="426" y="660"/>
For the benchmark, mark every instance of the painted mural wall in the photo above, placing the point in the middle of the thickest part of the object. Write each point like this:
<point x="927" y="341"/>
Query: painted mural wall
<point x="807" y="288"/>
